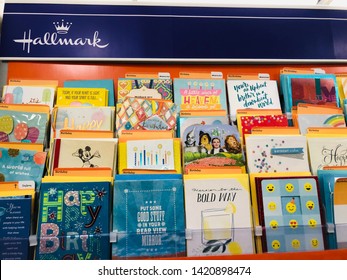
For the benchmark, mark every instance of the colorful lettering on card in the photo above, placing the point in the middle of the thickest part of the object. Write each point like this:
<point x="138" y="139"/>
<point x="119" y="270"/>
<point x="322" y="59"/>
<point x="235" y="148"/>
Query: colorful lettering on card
<point x="200" y="94"/>
<point x="73" y="221"/>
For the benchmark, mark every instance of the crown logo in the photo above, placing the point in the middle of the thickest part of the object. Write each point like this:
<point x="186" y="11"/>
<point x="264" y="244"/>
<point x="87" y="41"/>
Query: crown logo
<point x="62" y="27"/>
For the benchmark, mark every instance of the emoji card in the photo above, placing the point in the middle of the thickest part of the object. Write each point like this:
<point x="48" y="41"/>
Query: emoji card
<point x="290" y="214"/>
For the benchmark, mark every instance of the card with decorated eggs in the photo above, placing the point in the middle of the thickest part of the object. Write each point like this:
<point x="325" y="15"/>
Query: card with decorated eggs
<point x="24" y="124"/>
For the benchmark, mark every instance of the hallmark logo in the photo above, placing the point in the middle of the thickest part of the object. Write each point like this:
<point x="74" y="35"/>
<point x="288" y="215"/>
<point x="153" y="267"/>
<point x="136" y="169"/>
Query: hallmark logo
<point x="53" y="39"/>
<point x="62" y="28"/>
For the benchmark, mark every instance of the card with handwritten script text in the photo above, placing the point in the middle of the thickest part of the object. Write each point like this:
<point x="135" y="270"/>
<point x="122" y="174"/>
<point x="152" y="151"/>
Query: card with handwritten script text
<point x="327" y="151"/>
<point x="252" y="94"/>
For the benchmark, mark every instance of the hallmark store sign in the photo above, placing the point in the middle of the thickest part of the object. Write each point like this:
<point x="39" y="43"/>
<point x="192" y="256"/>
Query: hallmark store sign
<point x="117" y="32"/>
<point x="59" y="37"/>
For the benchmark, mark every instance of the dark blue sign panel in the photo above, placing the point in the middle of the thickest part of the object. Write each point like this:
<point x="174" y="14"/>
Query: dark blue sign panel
<point x="117" y="32"/>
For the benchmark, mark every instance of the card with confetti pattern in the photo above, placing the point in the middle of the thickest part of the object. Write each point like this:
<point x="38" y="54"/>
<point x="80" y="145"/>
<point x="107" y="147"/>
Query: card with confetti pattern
<point x="276" y="153"/>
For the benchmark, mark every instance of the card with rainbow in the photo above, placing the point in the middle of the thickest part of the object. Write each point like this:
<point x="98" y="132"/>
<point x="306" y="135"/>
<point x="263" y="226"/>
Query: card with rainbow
<point x="320" y="120"/>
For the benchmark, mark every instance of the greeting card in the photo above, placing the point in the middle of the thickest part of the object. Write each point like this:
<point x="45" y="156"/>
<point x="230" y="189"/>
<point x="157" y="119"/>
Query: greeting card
<point x="15" y="225"/>
<point x="82" y="96"/>
<point x="319" y="120"/>
<point x="84" y="153"/>
<point x="21" y="165"/>
<point x="276" y="153"/>
<point x="326" y="151"/>
<point x="150" y="155"/>
<point x="309" y="88"/>
<point x="23" y="124"/>
<point x="200" y="94"/>
<point x="82" y="118"/>
<point x="148" y="216"/>
<point x="146" y="114"/>
<point x="254" y="198"/>
<point x="328" y="179"/>
<point x="74" y="221"/>
<point x="290" y="214"/>
<point x="340" y="210"/>
<point x="212" y="145"/>
<point x="246" y="120"/>
<point x="29" y="95"/>
<point x="150" y="88"/>
<point x="218" y="215"/>
<point x="256" y="94"/>
<point x="107" y="84"/>
<point x="188" y="118"/>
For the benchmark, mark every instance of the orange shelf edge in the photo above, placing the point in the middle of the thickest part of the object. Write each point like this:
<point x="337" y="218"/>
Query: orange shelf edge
<point x="338" y="254"/>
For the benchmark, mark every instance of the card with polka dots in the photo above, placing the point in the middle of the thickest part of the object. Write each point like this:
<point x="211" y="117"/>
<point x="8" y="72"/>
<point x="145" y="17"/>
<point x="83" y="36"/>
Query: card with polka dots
<point x="276" y="153"/>
<point x="290" y="214"/>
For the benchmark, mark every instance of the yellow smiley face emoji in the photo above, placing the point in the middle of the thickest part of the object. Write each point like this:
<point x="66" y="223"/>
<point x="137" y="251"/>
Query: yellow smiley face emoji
<point x="270" y="187"/>
<point x="308" y="187"/>
<point x="310" y="205"/>
<point x="312" y="223"/>
<point x="293" y="224"/>
<point x="273" y="224"/>
<point x="275" y="244"/>
<point x="295" y="243"/>
<point x="289" y="187"/>
<point x="272" y="206"/>
<point x="314" y="243"/>
<point x="291" y="206"/>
